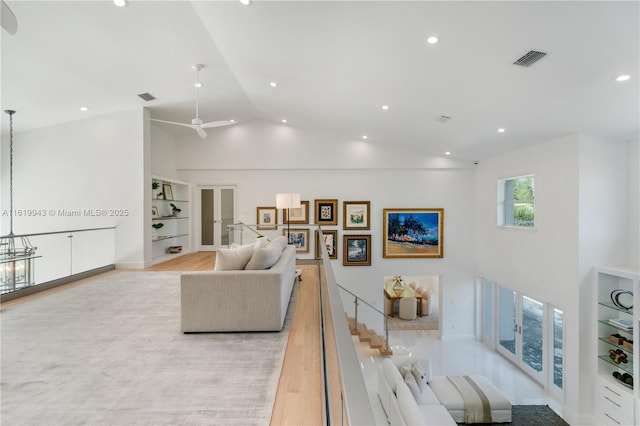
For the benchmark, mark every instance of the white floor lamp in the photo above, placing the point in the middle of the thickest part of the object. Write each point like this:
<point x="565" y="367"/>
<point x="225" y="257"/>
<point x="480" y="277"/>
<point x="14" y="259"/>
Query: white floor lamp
<point x="288" y="201"/>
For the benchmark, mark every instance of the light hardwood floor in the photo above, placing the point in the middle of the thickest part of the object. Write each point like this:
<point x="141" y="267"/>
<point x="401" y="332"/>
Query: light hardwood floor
<point x="299" y="395"/>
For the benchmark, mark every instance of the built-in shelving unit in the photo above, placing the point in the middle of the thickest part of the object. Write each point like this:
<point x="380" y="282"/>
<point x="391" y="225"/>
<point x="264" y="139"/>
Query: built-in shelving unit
<point x="617" y="294"/>
<point x="168" y="196"/>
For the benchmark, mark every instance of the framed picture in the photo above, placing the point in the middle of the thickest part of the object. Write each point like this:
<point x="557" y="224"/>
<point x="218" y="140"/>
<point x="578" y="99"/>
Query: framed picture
<point x="355" y="215"/>
<point x="413" y="233"/>
<point x="299" y="238"/>
<point x="356" y="250"/>
<point x="267" y="217"/>
<point x="154" y="213"/>
<point x="326" y="212"/>
<point x="297" y="215"/>
<point x="329" y="239"/>
<point x="168" y="192"/>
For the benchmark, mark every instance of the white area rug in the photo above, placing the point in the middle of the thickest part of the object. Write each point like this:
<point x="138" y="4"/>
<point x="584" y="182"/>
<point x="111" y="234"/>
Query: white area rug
<point x="421" y="323"/>
<point x="110" y="352"/>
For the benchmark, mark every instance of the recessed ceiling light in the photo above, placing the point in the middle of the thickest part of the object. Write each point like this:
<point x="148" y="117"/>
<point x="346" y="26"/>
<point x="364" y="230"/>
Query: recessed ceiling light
<point x="433" y="40"/>
<point x="273" y="84"/>
<point x="198" y="85"/>
<point x="501" y="130"/>
<point x="623" y="77"/>
<point x="246" y="2"/>
<point x="284" y="121"/>
<point x="447" y="153"/>
<point x="84" y="109"/>
<point x="232" y="120"/>
<point x="365" y="137"/>
<point x="385" y="107"/>
<point x="120" y="3"/>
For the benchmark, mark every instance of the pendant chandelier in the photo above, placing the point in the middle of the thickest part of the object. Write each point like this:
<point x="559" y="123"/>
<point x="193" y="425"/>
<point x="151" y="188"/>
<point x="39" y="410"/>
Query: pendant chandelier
<point x="17" y="254"/>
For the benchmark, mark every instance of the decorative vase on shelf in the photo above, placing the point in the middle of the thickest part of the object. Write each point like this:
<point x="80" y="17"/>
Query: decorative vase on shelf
<point x="398" y="284"/>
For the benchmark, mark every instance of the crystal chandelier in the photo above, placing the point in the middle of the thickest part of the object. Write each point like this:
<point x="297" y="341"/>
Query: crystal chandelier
<point x="17" y="254"/>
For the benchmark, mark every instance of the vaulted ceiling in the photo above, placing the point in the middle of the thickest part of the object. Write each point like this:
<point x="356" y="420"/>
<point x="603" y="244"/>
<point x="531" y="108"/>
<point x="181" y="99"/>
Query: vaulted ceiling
<point x="336" y="63"/>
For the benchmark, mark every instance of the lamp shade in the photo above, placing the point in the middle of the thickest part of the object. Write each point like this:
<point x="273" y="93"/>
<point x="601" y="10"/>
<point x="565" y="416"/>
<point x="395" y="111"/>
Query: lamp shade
<point x="287" y="201"/>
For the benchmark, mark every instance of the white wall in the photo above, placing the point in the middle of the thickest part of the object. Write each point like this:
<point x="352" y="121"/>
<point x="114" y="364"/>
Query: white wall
<point x="275" y="159"/>
<point x="92" y="164"/>
<point x="634" y="206"/>
<point x="164" y="153"/>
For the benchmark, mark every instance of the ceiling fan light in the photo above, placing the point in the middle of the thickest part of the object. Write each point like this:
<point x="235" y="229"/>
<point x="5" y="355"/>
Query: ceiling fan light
<point x="246" y="2"/>
<point x="121" y="3"/>
<point x="623" y="77"/>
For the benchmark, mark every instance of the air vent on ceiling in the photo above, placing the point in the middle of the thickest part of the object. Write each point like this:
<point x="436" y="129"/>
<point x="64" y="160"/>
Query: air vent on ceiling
<point x="442" y="118"/>
<point x="530" y="58"/>
<point x="147" y="97"/>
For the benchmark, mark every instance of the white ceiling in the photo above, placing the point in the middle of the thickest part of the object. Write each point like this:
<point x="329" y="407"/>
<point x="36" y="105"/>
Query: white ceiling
<point x="336" y="64"/>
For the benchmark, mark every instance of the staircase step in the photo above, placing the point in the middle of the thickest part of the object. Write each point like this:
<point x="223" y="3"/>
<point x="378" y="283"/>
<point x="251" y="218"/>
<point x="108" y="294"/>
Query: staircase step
<point x="385" y="352"/>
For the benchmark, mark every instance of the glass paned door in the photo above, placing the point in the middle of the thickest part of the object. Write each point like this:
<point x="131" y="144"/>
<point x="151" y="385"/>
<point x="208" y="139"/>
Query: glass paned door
<point x="558" y="353"/>
<point x="507" y="322"/>
<point x="216" y="210"/>
<point x="532" y="323"/>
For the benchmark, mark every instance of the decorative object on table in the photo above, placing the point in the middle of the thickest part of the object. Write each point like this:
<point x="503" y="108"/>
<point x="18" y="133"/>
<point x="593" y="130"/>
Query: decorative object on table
<point x="618" y="356"/>
<point x="299" y="238"/>
<point x="267" y="217"/>
<point x="174" y="249"/>
<point x="616" y="339"/>
<point x="156" y="227"/>
<point x="398" y="284"/>
<point x="175" y="210"/>
<point x="624" y="378"/>
<point x="413" y="233"/>
<point x="356" y="250"/>
<point x="621" y="323"/>
<point x="167" y="191"/>
<point x="356" y="215"/>
<point x="154" y="212"/>
<point x="329" y="238"/>
<point x="288" y="201"/>
<point x="326" y="212"/>
<point x="17" y="254"/>
<point x="623" y="299"/>
<point x="298" y="214"/>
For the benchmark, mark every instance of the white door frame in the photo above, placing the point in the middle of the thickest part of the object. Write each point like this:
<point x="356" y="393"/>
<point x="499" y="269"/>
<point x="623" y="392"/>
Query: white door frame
<point x="217" y="243"/>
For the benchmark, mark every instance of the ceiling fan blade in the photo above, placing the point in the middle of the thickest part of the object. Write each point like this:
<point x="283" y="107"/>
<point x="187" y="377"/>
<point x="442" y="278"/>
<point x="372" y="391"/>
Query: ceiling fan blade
<point x="172" y="122"/>
<point x="201" y="132"/>
<point x="217" y="124"/>
<point x="9" y="21"/>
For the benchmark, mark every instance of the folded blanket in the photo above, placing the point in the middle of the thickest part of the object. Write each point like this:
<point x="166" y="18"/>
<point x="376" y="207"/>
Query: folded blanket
<point x="477" y="408"/>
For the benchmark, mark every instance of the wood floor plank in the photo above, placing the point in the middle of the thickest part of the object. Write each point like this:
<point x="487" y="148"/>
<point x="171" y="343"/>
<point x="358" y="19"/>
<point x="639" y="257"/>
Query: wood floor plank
<point x="196" y="261"/>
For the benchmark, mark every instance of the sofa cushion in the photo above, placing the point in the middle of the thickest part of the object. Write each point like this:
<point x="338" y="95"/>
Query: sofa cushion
<point x="419" y="372"/>
<point x="391" y="373"/>
<point x="233" y="259"/>
<point x="408" y="406"/>
<point x="412" y="385"/>
<point x="264" y="258"/>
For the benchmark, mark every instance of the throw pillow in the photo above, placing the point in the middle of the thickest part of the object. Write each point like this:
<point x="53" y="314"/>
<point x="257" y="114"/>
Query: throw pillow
<point x="412" y="385"/>
<point x="280" y="242"/>
<point x="264" y="258"/>
<point x="233" y="259"/>
<point x="420" y="375"/>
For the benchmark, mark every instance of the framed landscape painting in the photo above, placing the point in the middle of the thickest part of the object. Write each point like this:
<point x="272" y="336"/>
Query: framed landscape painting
<point x="356" y="250"/>
<point x="355" y="215"/>
<point x="329" y="238"/>
<point x="413" y="233"/>
<point x="299" y="238"/>
<point x="326" y="212"/>
<point x="297" y="215"/>
<point x="267" y="217"/>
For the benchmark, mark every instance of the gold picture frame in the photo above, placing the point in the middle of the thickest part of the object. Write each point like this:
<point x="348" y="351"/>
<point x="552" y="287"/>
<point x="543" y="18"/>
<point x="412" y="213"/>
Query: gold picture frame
<point x="299" y="238"/>
<point x="330" y="240"/>
<point x="298" y="215"/>
<point x="326" y="212"/>
<point x="356" y="250"/>
<point x="413" y="233"/>
<point x="266" y="217"/>
<point x="356" y="215"/>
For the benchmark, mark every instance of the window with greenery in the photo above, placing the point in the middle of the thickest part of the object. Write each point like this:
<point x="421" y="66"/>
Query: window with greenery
<point x="516" y="202"/>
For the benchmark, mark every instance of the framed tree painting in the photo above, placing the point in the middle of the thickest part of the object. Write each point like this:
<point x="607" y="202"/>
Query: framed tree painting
<point x="326" y="212"/>
<point x="267" y="217"/>
<point x="329" y="238"/>
<point x="297" y="215"/>
<point x="356" y="250"/>
<point x="413" y="233"/>
<point x="299" y="238"/>
<point x="355" y="215"/>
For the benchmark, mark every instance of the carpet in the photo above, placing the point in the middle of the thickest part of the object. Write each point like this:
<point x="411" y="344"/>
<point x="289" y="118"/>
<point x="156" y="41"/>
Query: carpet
<point x="532" y="415"/>
<point x="110" y="352"/>
<point x="427" y="322"/>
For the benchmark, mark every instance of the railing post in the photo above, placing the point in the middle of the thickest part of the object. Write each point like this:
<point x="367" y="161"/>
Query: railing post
<point x="355" y="301"/>
<point x="386" y="332"/>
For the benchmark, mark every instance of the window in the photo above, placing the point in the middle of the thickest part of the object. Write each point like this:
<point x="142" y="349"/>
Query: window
<point x="516" y="202"/>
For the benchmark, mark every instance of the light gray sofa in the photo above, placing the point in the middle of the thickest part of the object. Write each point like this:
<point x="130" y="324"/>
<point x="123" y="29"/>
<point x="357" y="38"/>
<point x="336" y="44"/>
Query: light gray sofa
<point x="241" y="300"/>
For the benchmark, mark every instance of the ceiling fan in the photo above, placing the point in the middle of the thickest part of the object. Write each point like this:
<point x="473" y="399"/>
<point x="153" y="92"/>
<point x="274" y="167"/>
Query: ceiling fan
<point x="196" y="123"/>
<point x="9" y="21"/>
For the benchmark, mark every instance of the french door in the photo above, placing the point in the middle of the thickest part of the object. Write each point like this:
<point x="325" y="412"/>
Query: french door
<point x="520" y="334"/>
<point x="215" y="209"/>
